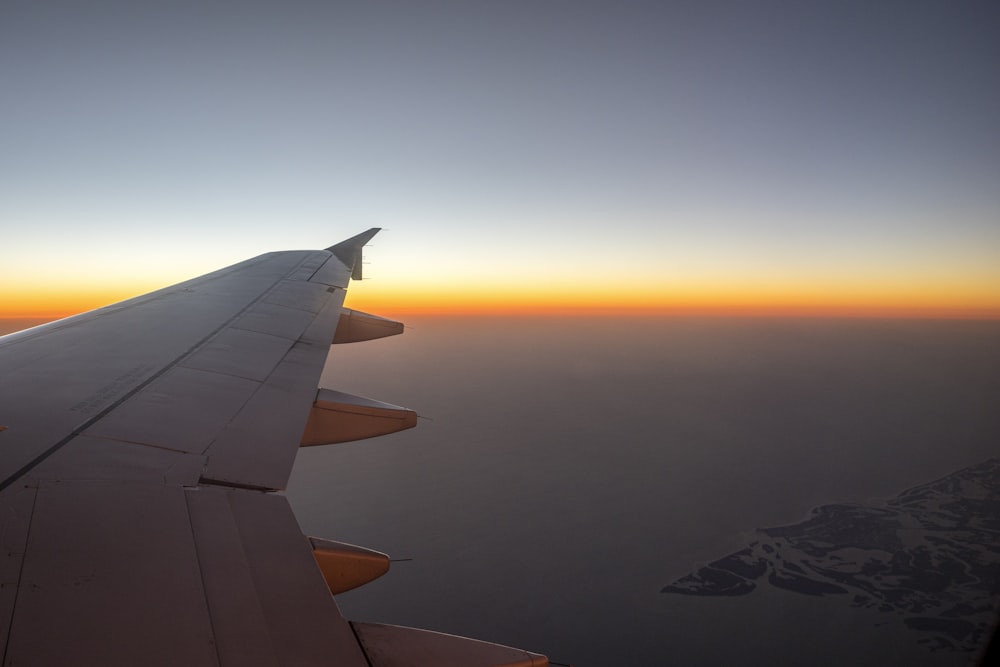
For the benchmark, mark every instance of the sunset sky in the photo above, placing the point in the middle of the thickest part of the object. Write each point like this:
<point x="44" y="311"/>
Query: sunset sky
<point x="730" y="157"/>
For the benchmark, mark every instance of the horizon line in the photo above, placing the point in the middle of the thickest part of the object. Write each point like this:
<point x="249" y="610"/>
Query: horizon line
<point x="536" y="310"/>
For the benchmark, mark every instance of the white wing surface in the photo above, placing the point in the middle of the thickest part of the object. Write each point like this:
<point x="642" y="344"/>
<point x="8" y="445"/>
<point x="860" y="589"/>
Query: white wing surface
<point x="140" y="446"/>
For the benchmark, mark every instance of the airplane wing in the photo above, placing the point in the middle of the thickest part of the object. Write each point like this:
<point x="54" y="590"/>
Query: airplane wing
<point x="141" y="445"/>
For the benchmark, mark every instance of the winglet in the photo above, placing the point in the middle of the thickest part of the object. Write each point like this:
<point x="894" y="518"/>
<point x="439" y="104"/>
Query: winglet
<point x="349" y="251"/>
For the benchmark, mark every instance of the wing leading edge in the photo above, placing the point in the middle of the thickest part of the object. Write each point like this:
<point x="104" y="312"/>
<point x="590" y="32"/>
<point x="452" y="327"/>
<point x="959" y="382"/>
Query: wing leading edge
<point x="140" y="446"/>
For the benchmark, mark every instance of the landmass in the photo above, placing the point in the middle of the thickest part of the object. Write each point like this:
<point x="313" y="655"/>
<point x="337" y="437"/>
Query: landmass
<point x="930" y="555"/>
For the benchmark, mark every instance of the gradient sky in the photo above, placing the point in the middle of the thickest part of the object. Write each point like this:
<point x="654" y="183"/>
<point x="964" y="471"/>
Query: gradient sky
<point x="818" y="157"/>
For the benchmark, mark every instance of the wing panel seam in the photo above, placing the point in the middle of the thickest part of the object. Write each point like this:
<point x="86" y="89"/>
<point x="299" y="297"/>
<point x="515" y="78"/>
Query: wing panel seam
<point x="360" y="645"/>
<point x="201" y="577"/>
<point x="20" y="576"/>
<point x="321" y="265"/>
<point x="27" y="467"/>
<point x="225" y="484"/>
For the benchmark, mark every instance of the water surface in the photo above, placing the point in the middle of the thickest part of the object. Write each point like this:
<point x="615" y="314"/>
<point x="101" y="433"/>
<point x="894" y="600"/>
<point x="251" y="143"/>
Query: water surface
<point x="575" y="467"/>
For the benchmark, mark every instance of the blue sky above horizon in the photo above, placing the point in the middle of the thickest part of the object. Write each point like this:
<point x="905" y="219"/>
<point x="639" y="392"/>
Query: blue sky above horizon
<point x="675" y="150"/>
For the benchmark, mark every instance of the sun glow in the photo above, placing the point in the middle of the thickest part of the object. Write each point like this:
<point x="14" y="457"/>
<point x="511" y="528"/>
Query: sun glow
<point x="754" y="297"/>
<point x="399" y="287"/>
<point x="55" y="301"/>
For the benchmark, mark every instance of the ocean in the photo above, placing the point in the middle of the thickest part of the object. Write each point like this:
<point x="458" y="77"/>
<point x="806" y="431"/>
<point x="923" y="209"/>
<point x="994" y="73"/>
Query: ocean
<point x="677" y="490"/>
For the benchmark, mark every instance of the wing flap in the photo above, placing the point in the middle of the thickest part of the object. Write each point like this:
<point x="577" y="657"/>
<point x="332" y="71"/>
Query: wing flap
<point x="303" y="621"/>
<point x="239" y="623"/>
<point x="82" y="577"/>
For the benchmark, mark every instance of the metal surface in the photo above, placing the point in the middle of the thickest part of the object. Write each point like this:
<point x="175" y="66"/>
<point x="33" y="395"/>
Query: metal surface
<point x="106" y="557"/>
<point x="139" y="448"/>
<point x="261" y="582"/>
<point x="61" y="379"/>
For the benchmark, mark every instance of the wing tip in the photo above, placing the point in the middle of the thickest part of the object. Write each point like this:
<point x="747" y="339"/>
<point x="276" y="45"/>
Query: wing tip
<point x="348" y="251"/>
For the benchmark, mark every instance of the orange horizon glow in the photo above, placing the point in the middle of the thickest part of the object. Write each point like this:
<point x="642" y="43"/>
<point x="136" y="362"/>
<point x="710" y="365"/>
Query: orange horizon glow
<point x="762" y="299"/>
<point x="592" y="301"/>
<point x="790" y="311"/>
<point x="55" y="304"/>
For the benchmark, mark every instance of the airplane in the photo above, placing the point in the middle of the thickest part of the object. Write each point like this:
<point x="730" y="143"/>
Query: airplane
<point x="142" y="449"/>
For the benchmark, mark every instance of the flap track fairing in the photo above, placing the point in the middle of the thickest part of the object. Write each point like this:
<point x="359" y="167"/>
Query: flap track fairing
<point x="339" y="417"/>
<point x="356" y="326"/>
<point x="346" y="566"/>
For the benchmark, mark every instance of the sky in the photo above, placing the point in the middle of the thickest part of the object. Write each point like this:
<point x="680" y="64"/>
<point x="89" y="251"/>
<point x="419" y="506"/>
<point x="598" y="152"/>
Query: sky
<point x="769" y="157"/>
